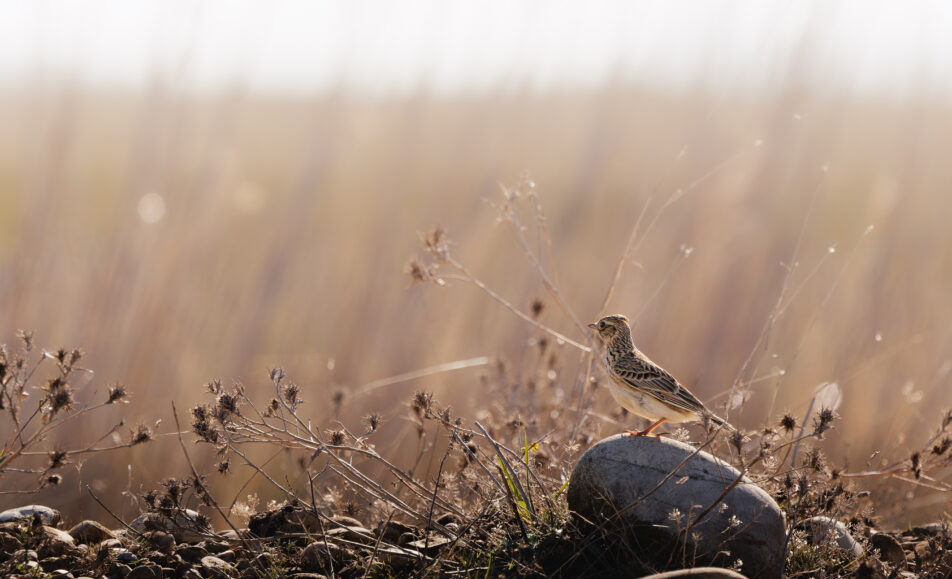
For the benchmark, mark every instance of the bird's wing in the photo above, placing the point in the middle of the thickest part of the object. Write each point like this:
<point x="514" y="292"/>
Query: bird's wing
<point x="652" y="380"/>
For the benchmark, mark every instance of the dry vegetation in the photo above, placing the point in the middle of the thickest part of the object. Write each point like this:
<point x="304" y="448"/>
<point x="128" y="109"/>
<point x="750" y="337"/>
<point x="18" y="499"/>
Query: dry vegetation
<point x="758" y="272"/>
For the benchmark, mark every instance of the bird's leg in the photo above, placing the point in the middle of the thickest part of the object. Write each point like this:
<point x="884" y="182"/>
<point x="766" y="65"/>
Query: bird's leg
<point x="647" y="431"/>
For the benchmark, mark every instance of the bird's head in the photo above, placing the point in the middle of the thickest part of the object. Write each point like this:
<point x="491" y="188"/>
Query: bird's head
<point x="611" y="327"/>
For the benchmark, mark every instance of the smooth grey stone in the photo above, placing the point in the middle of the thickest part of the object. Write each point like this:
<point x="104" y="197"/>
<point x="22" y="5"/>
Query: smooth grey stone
<point x="47" y="515"/>
<point x="821" y="529"/>
<point x="616" y="482"/>
<point x="698" y="573"/>
<point x="90" y="532"/>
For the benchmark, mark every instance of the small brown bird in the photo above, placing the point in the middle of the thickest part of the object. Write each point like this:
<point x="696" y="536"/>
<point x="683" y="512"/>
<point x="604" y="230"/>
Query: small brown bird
<point x="643" y="387"/>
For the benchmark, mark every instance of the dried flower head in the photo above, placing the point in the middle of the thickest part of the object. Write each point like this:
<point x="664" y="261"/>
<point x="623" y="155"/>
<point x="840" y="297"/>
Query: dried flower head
<point x="292" y="393"/>
<point x="788" y="423"/>
<point x="117" y="392"/>
<point x="815" y="459"/>
<point x="26" y="336"/>
<point x="372" y="421"/>
<point x="436" y="243"/>
<point x="214" y="386"/>
<point x="422" y="403"/>
<point x="141" y="434"/>
<point x="821" y="422"/>
<point x="226" y="404"/>
<point x="202" y="424"/>
<point x="336" y="436"/>
<point x="57" y="459"/>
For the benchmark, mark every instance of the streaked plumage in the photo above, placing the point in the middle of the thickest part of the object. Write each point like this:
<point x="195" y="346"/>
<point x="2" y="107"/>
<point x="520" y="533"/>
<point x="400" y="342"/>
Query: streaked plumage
<point x="640" y="385"/>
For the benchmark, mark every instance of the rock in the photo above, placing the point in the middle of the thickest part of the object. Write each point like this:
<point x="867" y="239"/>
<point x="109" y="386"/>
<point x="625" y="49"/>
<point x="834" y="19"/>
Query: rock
<point x="215" y="547"/>
<point x="55" y="542"/>
<point x="191" y="553"/>
<point x="52" y="564"/>
<point x="309" y="576"/>
<point x="931" y="529"/>
<point x="398" y="557"/>
<point x="615" y="481"/>
<point x="25" y="555"/>
<point x="187" y="527"/>
<point x="871" y="568"/>
<point x="123" y="570"/>
<point x="822" y="529"/>
<point x="162" y="541"/>
<point x="346" y="521"/>
<point x="355" y="534"/>
<point x="890" y="549"/>
<point x="287" y="520"/>
<point x="428" y="546"/>
<point x="214" y="567"/>
<point x="392" y="530"/>
<point x="146" y="572"/>
<point x="228" y="556"/>
<point x="9" y="544"/>
<point x="698" y="573"/>
<point x="110" y="544"/>
<point x="90" y="532"/>
<point x="924" y="552"/>
<point x="126" y="558"/>
<point x="321" y="556"/>
<point x="25" y="514"/>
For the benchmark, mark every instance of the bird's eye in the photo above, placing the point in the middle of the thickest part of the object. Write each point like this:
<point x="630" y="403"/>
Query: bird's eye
<point x="601" y="325"/>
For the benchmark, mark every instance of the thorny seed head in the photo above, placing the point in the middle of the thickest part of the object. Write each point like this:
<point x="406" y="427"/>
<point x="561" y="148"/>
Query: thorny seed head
<point x="337" y="437"/>
<point x="422" y="403"/>
<point x="116" y="393"/>
<point x="815" y="460"/>
<point x="291" y="394"/>
<point x="202" y="424"/>
<point x="224" y="467"/>
<point x="419" y="271"/>
<point x="803" y="485"/>
<point x="60" y="395"/>
<point x="57" y="459"/>
<point x="174" y="488"/>
<point x="150" y="498"/>
<point x="52" y="480"/>
<point x="436" y="243"/>
<point x="140" y="435"/>
<point x="276" y="375"/>
<point x="372" y="421"/>
<point x="821" y="422"/>
<point x="226" y="405"/>
<point x="788" y="423"/>
<point x="214" y="387"/>
<point x="916" y="465"/>
<point x="26" y="336"/>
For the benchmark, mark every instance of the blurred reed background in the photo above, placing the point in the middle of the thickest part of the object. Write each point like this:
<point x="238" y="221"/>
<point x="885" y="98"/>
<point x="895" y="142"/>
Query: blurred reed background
<point x="180" y="234"/>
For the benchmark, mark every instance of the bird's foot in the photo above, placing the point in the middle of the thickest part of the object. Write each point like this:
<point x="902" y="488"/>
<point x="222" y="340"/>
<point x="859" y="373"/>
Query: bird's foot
<point x="641" y="433"/>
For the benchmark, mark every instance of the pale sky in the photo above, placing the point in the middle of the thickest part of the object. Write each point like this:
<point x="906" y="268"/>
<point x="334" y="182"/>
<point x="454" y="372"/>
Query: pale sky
<point x="895" y="49"/>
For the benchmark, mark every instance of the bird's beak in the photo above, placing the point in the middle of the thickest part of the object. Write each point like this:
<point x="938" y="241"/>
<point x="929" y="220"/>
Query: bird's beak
<point x="593" y="326"/>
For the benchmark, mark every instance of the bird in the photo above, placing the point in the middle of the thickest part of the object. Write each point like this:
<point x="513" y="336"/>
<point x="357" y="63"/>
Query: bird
<point x="643" y="387"/>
